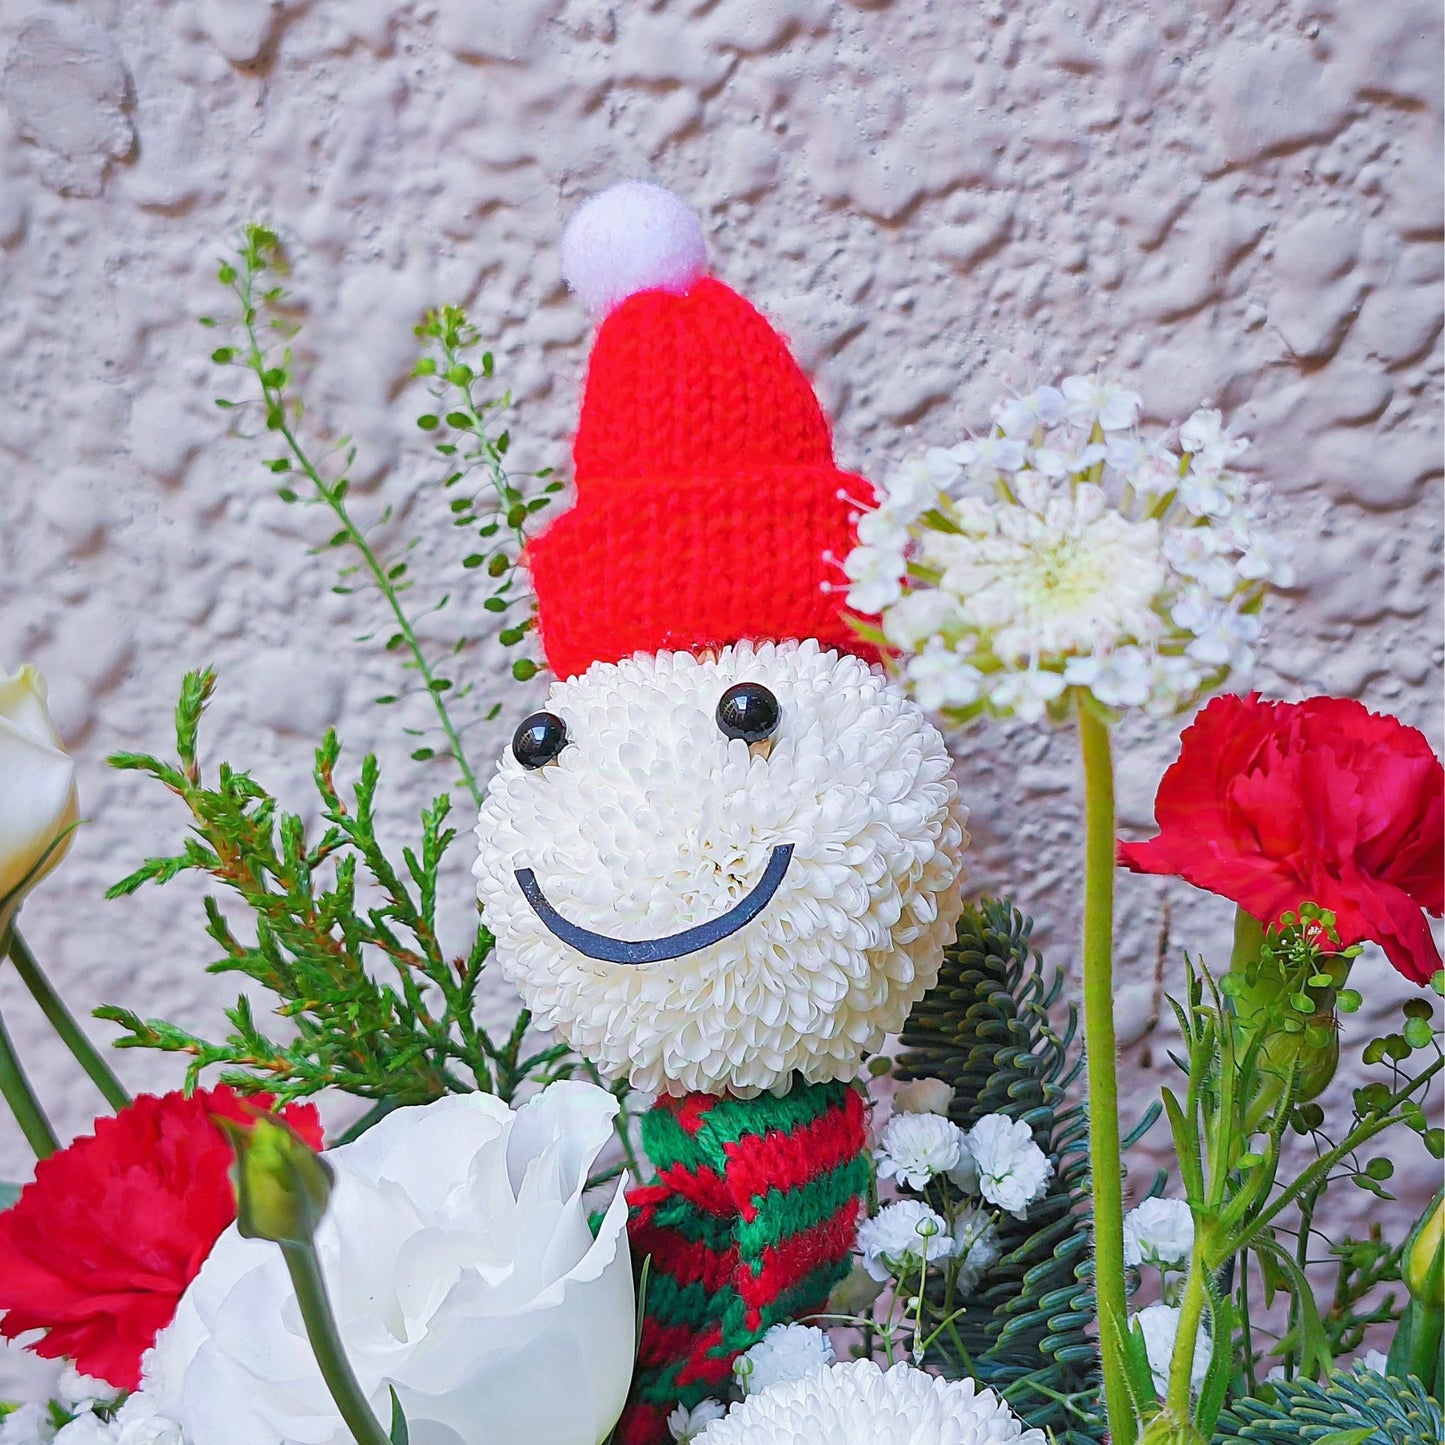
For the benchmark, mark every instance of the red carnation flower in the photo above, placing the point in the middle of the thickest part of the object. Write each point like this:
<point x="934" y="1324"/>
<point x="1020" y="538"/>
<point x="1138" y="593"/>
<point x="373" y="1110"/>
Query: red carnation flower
<point x="98" y="1250"/>
<point x="1277" y="804"/>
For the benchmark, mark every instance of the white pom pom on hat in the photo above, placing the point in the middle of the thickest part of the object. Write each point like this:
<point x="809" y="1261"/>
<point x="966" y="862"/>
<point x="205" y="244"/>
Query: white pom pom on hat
<point x="634" y="236"/>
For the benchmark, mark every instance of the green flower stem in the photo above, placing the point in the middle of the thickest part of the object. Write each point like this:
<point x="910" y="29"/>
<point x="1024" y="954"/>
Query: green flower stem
<point x="1105" y="1152"/>
<point x="71" y="1035"/>
<point x="1191" y="1311"/>
<point x="320" y="1322"/>
<point x="17" y="1093"/>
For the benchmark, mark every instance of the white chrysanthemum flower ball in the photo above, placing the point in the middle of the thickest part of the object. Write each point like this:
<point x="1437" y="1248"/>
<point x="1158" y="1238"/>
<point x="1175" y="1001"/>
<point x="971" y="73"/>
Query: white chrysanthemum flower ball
<point x="902" y="1236"/>
<point x="860" y="1404"/>
<point x="915" y="1147"/>
<point x="1012" y="1170"/>
<point x="786" y="1352"/>
<point x="1160" y="1327"/>
<point x="652" y="828"/>
<point x="922" y="1096"/>
<point x="1159" y="1232"/>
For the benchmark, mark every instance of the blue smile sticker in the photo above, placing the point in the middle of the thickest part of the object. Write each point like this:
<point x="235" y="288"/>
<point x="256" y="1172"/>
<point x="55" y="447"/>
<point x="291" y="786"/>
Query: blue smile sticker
<point x="675" y="945"/>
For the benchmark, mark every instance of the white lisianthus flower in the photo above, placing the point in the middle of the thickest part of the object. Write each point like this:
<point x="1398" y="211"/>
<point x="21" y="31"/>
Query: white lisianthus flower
<point x="38" y="799"/>
<point x="786" y="1352"/>
<point x="686" y="1425"/>
<point x="1159" y="1232"/>
<point x="860" y="1404"/>
<point x="1159" y="1325"/>
<point x="1012" y="1170"/>
<point x="903" y="1236"/>
<point x="975" y="1245"/>
<point x="1067" y="550"/>
<point x="922" y="1096"/>
<point x="462" y="1271"/>
<point x="915" y="1147"/>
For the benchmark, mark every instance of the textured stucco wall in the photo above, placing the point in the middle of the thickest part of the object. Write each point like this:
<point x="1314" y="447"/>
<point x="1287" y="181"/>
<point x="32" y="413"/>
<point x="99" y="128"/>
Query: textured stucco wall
<point x="1237" y="200"/>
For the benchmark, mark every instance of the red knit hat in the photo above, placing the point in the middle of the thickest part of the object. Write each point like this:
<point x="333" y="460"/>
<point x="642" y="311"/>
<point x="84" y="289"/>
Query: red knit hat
<point x="707" y="494"/>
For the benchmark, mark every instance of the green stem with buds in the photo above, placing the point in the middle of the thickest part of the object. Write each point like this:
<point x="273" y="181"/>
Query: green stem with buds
<point x="63" y="1022"/>
<point x="320" y="1322"/>
<point x="1105" y="1150"/>
<point x="17" y="1093"/>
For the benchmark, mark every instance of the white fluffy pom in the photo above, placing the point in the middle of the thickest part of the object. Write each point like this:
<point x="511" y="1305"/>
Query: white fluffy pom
<point x="634" y="236"/>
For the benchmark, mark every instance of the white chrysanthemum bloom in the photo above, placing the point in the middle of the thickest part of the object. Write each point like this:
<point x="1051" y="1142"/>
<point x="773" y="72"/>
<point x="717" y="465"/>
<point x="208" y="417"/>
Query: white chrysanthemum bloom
<point x="1066" y="550"/>
<point x="915" y="1147"/>
<point x="1159" y="1232"/>
<point x="786" y="1352"/>
<point x="686" y="1425"/>
<point x="29" y="1425"/>
<point x="922" y="1096"/>
<point x="1160" y="1327"/>
<point x="903" y="1236"/>
<point x="975" y="1246"/>
<point x="652" y="825"/>
<point x="860" y="1404"/>
<point x="463" y="1273"/>
<point x="1012" y="1170"/>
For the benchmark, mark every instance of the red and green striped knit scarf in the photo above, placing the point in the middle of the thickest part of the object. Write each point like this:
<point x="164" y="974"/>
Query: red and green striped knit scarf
<point x="750" y="1224"/>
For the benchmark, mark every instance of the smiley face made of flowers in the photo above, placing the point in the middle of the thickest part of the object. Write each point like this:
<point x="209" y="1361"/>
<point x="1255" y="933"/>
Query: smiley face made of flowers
<point x="723" y="861"/>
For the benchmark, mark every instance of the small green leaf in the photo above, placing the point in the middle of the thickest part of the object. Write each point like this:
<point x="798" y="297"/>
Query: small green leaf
<point x="1418" y="1033"/>
<point x="523" y="669"/>
<point x="428" y="422"/>
<point x="1348" y="1000"/>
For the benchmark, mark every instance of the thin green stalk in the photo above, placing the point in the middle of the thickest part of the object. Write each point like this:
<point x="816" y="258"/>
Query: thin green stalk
<point x="17" y="1093"/>
<point x="1191" y="1311"/>
<point x="320" y="1322"/>
<point x="1105" y="1150"/>
<point x="61" y="1020"/>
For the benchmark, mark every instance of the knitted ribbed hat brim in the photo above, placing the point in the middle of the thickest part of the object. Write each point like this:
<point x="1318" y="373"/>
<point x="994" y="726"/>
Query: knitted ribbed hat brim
<point x="684" y="563"/>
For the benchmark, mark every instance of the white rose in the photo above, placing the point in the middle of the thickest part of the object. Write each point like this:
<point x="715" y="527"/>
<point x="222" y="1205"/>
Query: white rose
<point x="462" y="1271"/>
<point x="38" y="800"/>
<point x="922" y="1096"/>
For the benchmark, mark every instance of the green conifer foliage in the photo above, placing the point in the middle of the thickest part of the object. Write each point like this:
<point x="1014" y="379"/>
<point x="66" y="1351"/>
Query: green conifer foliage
<point x="1355" y="1407"/>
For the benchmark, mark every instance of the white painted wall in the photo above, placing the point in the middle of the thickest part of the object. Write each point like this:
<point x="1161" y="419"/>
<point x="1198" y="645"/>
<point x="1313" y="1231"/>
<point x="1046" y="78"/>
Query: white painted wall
<point x="1237" y="200"/>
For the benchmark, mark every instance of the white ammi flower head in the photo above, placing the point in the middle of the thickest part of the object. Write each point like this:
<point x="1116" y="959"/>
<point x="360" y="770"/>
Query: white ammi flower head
<point x="860" y="1404"/>
<point x="692" y="911"/>
<point x="1065" y="549"/>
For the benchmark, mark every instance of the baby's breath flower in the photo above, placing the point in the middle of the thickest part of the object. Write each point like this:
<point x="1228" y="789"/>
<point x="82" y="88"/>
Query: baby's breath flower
<point x="1159" y="1232"/>
<point x="901" y="1236"/>
<point x="786" y="1352"/>
<point x="1012" y="1170"/>
<point x="1065" y="549"/>
<point x="915" y="1147"/>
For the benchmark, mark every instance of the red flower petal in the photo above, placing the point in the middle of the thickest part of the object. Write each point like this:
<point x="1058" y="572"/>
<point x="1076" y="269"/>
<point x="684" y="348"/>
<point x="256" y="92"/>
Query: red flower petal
<point x="1276" y="804"/>
<point x="98" y="1250"/>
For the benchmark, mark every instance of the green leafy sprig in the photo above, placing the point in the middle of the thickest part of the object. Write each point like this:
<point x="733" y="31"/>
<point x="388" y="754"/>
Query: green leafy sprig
<point x="320" y="942"/>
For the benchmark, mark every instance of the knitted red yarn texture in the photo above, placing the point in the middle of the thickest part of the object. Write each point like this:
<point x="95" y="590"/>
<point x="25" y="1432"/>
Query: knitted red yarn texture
<point x="708" y="504"/>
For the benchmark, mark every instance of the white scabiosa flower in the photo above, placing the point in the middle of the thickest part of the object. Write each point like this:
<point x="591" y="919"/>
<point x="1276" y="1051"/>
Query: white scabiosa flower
<point x="860" y="1404"/>
<point x="1012" y="1170"/>
<point x="915" y="1147"/>
<point x="786" y="1352"/>
<point x="903" y="1236"/>
<point x="1159" y="1325"/>
<point x="922" y="1096"/>
<point x="686" y="1425"/>
<point x="1064" y="549"/>
<point x="1159" y="1232"/>
<point x="652" y="824"/>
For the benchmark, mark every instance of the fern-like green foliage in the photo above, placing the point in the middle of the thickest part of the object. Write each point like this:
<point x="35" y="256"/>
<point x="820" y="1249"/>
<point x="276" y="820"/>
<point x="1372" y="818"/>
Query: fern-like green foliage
<point x="345" y="937"/>
<point x="985" y="1029"/>
<point x="1350" y="1407"/>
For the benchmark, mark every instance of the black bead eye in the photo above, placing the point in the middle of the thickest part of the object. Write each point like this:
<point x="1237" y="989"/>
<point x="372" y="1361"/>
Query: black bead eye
<point x="539" y="739"/>
<point x="747" y="710"/>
